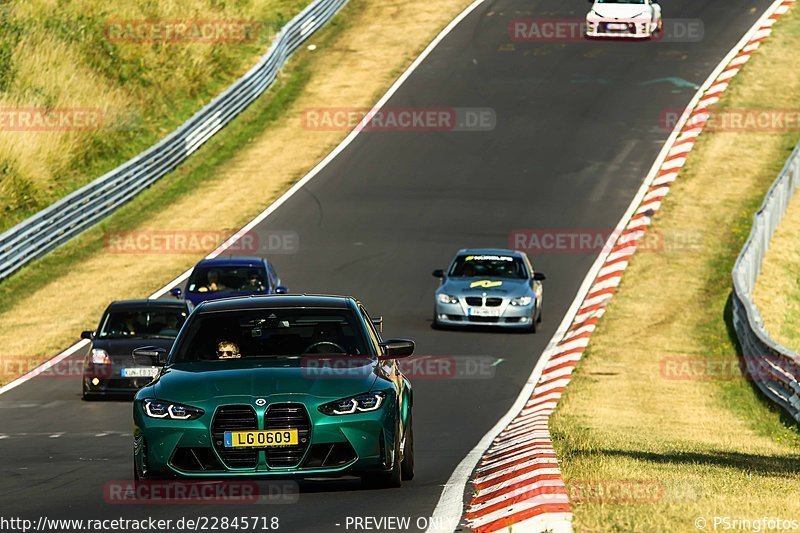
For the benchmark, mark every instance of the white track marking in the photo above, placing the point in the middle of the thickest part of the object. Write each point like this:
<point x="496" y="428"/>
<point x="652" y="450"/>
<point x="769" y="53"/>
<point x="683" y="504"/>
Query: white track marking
<point x="44" y="366"/>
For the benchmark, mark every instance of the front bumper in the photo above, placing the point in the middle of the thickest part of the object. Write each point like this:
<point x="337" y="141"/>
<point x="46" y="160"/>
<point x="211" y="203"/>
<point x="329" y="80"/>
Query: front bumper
<point x="598" y="28"/>
<point x="106" y="380"/>
<point x="336" y="445"/>
<point x="463" y="315"/>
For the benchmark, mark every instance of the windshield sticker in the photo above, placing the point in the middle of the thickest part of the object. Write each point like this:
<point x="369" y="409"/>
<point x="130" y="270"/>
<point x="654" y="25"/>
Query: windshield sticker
<point x="486" y="284"/>
<point x="488" y="258"/>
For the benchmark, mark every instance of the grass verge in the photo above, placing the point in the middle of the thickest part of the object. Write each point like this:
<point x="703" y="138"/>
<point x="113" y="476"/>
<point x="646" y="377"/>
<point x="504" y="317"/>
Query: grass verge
<point x="121" y="84"/>
<point x="659" y="398"/>
<point x="230" y="180"/>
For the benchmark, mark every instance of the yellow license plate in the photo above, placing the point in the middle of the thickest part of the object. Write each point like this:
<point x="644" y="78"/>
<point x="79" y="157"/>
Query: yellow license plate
<point x="261" y="439"/>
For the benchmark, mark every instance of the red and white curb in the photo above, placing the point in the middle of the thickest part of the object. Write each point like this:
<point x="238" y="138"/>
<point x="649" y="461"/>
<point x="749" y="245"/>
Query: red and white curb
<point x="518" y="481"/>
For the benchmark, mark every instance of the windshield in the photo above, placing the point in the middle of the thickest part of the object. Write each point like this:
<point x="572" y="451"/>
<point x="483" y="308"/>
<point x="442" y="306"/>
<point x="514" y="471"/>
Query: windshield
<point x="162" y="323"/>
<point x="263" y="333"/>
<point x="488" y="266"/>
<point x="228" y="280"/>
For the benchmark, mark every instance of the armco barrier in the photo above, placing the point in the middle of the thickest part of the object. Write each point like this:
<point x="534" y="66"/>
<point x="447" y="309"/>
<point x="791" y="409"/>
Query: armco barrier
<point x="775" y="369"/>
<point x="90" y="204"/>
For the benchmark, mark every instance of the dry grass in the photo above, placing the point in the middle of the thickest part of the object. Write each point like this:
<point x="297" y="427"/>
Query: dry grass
<point x="351" y="71"/>
<point x="777" y="292"/>
<point x="56" y="55"/>
<point x="712" y="444"/>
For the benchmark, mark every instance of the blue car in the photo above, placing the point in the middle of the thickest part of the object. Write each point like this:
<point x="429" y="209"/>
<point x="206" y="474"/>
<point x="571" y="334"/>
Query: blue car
<point x="489" y="287"/>
<point x="212" y="279"/>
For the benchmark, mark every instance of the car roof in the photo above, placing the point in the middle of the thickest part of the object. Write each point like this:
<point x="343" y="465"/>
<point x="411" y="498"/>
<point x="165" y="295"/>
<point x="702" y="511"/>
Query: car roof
<point x="275" y="301"/>
<point x="490" y="251"/>
<point x="123" y="305"/>
<point x="231" y="261"/>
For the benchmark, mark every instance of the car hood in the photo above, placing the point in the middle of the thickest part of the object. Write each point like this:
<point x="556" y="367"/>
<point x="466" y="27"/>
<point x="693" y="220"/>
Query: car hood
<point x="125" y="347"/>
<point x="501" y="287"/>
<point x="205" y="381"/>
<point x="622" y="11"/>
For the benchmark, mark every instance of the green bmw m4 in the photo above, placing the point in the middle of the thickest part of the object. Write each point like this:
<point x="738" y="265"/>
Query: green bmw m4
<point x="276" y="386"/>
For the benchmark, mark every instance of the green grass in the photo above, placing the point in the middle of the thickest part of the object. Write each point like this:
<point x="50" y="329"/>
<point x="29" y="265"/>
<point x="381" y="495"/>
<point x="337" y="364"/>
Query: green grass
<point x="61" y="58"/>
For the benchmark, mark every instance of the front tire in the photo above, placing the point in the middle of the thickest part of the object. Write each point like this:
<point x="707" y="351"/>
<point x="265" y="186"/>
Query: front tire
<point x="387" y="480"/>
<point x="407" y="466"/>
<point x="533" y="328"/>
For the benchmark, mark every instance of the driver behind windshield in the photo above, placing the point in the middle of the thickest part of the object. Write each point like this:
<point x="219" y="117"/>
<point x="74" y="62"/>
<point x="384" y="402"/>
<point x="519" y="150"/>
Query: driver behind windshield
<point x="213" y="284"/>
<point x="228" y="350"/>
<point x="124" y="325"/>
<point x="255" y="283"/>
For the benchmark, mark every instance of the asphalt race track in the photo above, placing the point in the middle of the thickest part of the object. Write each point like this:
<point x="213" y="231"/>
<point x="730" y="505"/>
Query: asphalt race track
<point x="577" y="129"/>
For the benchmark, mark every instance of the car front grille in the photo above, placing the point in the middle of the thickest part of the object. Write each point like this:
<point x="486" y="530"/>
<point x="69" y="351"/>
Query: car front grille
<point x="234" y="418"/>
<point x="630" y="29"/>
<point x="484" y="319"/>
<point x="288" y="416"/>
<point x="477" y="301"/>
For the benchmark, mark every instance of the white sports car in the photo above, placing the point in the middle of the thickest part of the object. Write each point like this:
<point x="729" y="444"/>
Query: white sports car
<point x="639" y="19"/>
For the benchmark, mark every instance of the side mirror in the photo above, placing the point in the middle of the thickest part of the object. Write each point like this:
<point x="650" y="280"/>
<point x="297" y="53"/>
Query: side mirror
<point x="397" y="349"/>
<point x="378" y="323"/>
<point x="158" y="355"/>
<point x="281" y="290"/>
<point x="87" y="335"/>
<point x="176" y="292"/>
<point x="538" y="276"/>
<point x="439" y="273"/>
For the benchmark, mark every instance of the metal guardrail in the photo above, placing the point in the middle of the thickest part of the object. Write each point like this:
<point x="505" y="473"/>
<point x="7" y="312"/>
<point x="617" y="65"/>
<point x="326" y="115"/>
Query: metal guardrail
<point x="80" y="210"/>
<point x="774" y="368"/>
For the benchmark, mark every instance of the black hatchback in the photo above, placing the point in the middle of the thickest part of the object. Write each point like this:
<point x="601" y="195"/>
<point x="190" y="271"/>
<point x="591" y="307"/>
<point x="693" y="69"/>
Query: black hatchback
<point x="110" y="367"/>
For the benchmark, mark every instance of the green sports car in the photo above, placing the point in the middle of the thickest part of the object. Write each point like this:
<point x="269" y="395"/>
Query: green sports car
<point x="276" y="386"/>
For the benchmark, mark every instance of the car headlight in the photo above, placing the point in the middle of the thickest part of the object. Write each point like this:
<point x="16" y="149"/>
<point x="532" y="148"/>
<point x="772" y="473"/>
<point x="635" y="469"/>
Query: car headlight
<point x="521" y="301"/>
<point x="174" y="411"/>
<point x="447" y="299"/>
<point x="100" y="357"/>
<point x="363" y="403"/>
